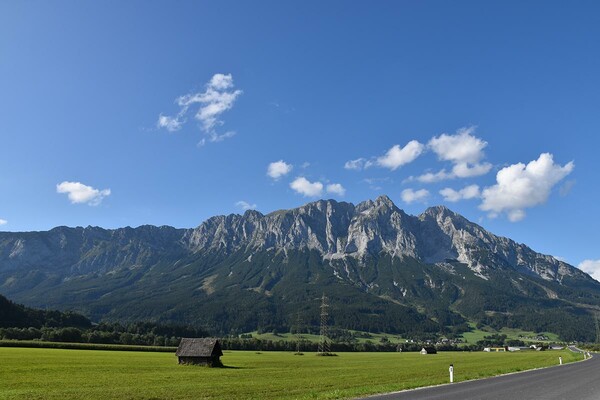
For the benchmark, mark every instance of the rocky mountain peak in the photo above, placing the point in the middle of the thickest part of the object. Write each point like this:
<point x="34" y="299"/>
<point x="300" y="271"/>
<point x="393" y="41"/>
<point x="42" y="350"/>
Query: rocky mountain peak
<point x="253" y="215"/>
<point x="436" y="210"/>
<point x="339" y="230"/>
<point x="381" y="202"/>
<point x="441" y="212"/>
<point x="384" y="200"/>
<point x="447" y="219"/>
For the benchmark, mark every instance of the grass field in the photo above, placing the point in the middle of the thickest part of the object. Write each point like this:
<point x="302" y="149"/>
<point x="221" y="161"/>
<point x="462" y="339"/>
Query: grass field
<point x="27" y="373"/>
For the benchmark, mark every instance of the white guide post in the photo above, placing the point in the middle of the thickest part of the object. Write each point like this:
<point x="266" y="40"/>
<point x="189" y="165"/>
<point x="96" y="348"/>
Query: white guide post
<point x="451" y="370"/>
<point x="560" y="360"/>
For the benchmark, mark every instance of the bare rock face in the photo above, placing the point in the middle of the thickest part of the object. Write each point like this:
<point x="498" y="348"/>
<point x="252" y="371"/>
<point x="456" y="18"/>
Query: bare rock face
<point x="337" y="230"/>
<point x="76" y="251"/>
<point x="480" y="250"/>
<point x="341" y="230"/>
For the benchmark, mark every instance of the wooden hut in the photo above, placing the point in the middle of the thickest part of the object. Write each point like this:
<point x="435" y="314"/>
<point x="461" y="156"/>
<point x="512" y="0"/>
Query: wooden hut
<point x="428" y="350"/>
<point x="199" y="351"/>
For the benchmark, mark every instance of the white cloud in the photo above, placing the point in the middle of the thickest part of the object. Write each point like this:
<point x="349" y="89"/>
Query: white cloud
<point x="218" y="97"/>
<point x="466" y="170"/>
<point x="172" y="124"/>
<point x="591" y="267"/>
<point x="213" y="137"/>
<point x="463" y="150"/>
<point x="521" y="186"/>
<point x="411" y="196"/>
<point x="306" y="188"/>
<point x="515" y="215"/>
<point x="431" y="177"/>
<point x="357" y="164"/>
<point x="79" y="193"/>
<point x="3" y="222"/>
<point x="466" y="193"/>
<point x="394" y="158"/>
<point x="458" y="148"/>
<point x="336" y="188"/>
<point x="244" y="205"/>
<point x="398" y="156"/>
<point x="221" y="82"/>
<point x="278" y="169"/>
<point x="566" y="188"/>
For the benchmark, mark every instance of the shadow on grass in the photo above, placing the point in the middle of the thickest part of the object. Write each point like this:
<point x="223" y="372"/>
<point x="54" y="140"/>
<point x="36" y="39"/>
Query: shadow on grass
<point x="220" y="366"/>
<point x="232" y="367"/>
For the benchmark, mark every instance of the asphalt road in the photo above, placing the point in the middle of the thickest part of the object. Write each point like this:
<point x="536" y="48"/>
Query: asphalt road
<point x="575" y="381"/>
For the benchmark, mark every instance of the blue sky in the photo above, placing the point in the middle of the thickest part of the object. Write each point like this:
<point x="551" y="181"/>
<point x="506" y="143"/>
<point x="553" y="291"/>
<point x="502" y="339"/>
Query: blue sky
<point x="155" y="112"/>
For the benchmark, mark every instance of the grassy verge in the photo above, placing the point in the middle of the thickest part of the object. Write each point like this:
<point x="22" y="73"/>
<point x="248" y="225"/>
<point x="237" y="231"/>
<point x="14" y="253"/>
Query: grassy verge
<point x="77" y="374"/>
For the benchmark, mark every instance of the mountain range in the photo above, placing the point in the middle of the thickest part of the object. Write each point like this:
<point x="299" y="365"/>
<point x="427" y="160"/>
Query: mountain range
<point x="382" y="270"/>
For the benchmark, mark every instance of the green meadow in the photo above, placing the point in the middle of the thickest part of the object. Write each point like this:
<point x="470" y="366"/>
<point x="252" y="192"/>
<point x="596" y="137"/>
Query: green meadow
<point x="470" y="337"/>
<point x="527" y="336"/>
<point x="371" y="337"/>
<point x="31" y="373"/>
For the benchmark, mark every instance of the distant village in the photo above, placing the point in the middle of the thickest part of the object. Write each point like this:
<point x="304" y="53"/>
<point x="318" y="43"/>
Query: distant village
<point x="343" y="340"/>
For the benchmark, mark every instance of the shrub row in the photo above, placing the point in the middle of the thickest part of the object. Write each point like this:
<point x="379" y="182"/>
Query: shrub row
<point x="83" y="346"/>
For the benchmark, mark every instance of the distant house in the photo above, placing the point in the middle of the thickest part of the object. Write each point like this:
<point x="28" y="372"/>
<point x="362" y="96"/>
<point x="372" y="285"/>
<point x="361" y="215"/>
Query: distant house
<point x="539" y="348"/>
<point x="518" y="348"/>
<point x="495" y="349"/>
<point x="199" y="351"/>
<point x="428" y="350"/>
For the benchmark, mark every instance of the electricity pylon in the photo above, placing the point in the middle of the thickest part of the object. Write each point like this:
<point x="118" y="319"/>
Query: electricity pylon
<point x="324" y="348"/>
<point x="299" y="338"/>
<point x="597" y="328"/>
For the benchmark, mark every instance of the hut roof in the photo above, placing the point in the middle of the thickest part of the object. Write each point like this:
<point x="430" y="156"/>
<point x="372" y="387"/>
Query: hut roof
<point x="429" y="350"/>
<point x="199" y="347"/>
